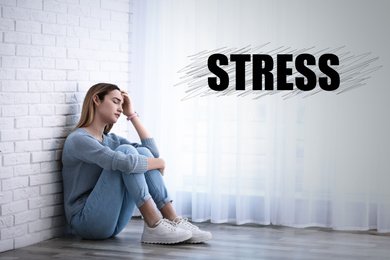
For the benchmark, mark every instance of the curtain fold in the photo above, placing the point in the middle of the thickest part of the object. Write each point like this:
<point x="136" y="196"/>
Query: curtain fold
<point x="314" y="161"/>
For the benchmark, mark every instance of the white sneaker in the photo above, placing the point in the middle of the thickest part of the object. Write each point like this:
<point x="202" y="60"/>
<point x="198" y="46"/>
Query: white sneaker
<point x="198" y="236"/>
<point x="164" y="233"/>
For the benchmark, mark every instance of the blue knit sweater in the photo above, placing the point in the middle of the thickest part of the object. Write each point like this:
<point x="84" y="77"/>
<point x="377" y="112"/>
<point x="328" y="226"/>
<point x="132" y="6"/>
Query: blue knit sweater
<point x="84" y="158"/>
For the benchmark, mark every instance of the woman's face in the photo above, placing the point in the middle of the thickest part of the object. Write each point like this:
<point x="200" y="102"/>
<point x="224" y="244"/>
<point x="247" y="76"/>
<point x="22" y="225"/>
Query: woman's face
<point x="110" y="108"/>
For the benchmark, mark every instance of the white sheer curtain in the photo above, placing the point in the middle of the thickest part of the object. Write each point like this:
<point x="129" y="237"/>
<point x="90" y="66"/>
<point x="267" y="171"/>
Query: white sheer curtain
<point x="316" y="161"/>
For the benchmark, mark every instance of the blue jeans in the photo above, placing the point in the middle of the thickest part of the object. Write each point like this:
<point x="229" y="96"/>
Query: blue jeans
<point x="111" y="203"/>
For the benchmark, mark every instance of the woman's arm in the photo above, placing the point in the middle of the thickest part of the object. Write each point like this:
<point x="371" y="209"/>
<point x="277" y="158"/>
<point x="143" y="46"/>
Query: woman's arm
<point x="128" y="110"/>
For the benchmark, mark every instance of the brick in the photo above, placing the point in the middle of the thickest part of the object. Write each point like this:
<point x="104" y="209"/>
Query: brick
<point x="41" y="201"/>
<point x="7" y="25"/>
<point x="42" y="63"/>
<point x="7" y="49"/>
<point x="65" y="87"/>
<point x="14" y="134"/>
<point x="59" y="198"/>
<point x="54" y="29"/>
<point x="54" y="121"/>
<point x="53" y="98"/>
<point x="89" y="65"/>
<point x="41" y="133"/>
<point x="6" y="147"/>
<point x="69" y="109"/>
<point x="7" y="98"/>
<point x="92" y="3"/>
<point x="39" y="225"/>
<point x="14" y="231"/>
<point x="27" y="98"/>
<point x="72" y="120"/>
<point x="6" y="172"/>
<point x="13" y="207"/>
<point x="99" y="34"/>
<point x="77" y="75"/>
<point x="27" y="216"/>
<point x="100" y="13"/>
<point x="15" y="13"/>
<point x="41" y="110"/>
<point x="90" y="44"/>
<point x="14" y="62"/>
<point x="90" y="22"/>
<point x="79" y="10"/>
<point x="28" y="26"/>
<point x="41" y="87"/>
<point x="68" y="19"/>
<point x="6" y="244"/>
<point x="42" y="156"/>
<point x="28" y="74"/>
<point x="51" y="188"/>
<point x="6" y="123"/>
<point x="115" y="6"/>
<point x="14" y="86"/>
<point x="119" y="36"/>
<point x="67" y="64"/>
<point x="6" y="221"/>
<point x="5" y="197"/>
<point x="53" y="75"/>
<point x="28" y="146"/>
<point x="74" y="98"/>
<point x="26" y="169"/>
<point x="30" y="4"/>
<point x="119" y="16"/>
<point x="77" y="32"/>
<point x="110" y="46"/>
<point x="11" y="3"/>
<point x="17" y="37"/>
<point x="52" y="211"/>
<point x="81" y="54"/>
<point x="7" y="74"/>
<point x="55" y="7"/>
<point x="53" y="144"/>
<point x="30" y="122"/>
<point x="17" y="158"/>
<point x="25" y="193"/>
<point x="39" y="236"/>
<point x="16" y="110"/>
<point x="43" y="16"/>
<point x="44" y="178"/>
<point x="29" y="50"/>
<point x="41" y="39"/>
<point x="15" y="183"/>
<point x="68" y="42"/>
<point x="114" y="26"/>
<point x="110" y="66"/>
<point x="50" y="166"/>
<point x="59" y="221"/>
<point x="56" y="52"/>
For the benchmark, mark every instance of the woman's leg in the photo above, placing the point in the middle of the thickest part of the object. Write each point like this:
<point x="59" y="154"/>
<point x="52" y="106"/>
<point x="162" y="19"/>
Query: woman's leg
<point x="160" y="195"/>
<point x="111" y="203"/>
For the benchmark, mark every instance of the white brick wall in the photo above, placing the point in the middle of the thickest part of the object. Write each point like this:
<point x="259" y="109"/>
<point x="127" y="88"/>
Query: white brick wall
<point x="51" y="52"/>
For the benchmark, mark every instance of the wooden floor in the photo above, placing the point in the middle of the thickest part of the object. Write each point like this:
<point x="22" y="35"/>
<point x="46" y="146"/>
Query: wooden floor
<point x="229" y="242"/>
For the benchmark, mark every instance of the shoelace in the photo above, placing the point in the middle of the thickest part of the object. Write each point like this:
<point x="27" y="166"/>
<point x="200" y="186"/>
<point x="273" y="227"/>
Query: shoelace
<point x="185" y="222"/>
<point x="166" y="223"/>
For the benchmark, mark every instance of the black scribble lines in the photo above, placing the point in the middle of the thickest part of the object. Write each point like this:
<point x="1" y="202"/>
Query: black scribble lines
<point x="354" y="71"/>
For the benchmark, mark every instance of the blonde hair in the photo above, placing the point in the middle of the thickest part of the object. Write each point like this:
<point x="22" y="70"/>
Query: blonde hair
<point x="88" y="110"/>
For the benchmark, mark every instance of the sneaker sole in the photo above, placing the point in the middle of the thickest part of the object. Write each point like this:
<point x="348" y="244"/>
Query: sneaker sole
<point x="198" y="241"/>
<point x="164" y="242"/>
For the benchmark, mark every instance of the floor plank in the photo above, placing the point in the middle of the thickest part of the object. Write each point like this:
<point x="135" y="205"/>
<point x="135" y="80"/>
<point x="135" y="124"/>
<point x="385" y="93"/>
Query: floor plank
<point x="229" y="242"/>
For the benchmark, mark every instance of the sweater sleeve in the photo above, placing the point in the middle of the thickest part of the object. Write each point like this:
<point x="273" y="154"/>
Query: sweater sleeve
<point x="89" y="150"/>
<point x="146" y="142"/>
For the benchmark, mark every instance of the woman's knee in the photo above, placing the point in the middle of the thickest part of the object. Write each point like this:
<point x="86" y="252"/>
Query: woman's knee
<point x="144" y="151"/>
<point x="127" y="149"/>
